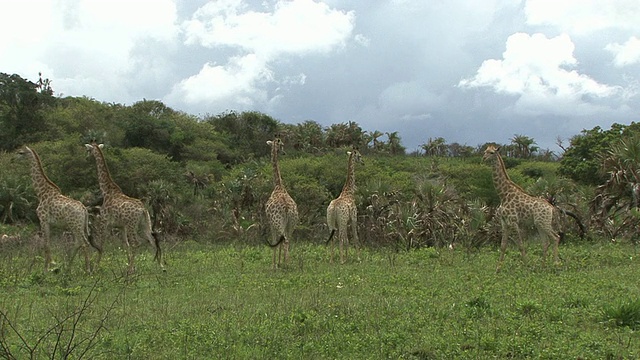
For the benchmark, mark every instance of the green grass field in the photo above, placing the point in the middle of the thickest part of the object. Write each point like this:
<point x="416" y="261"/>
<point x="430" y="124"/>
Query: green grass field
<point x="226" y="302"/>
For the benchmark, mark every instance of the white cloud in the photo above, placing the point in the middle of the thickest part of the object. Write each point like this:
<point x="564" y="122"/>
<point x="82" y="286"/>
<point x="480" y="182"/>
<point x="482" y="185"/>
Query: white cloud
<point x="538" y="70"/>
<point x="297" y="27"/>
<point x="584" y="16"/>
<point x="236" y="82"/>
<point x="627" y="53"/>
<point x="82" y="45"/>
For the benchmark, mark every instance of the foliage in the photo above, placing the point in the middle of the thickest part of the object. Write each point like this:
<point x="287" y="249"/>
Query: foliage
<point x="624" y="314"/>
<point x="22" y="107"/>
<point x="582" y="159"/>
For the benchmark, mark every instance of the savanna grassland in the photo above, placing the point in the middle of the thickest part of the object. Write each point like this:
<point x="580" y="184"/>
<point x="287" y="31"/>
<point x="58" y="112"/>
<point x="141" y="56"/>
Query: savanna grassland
<point x="225" y="301"/>
<point x="425" y="285"/>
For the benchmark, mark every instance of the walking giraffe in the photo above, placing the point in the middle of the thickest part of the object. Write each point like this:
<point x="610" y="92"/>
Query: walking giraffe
<point x="281" y="210"/>
<point x="343" y="211"/>
<point x="123" y="212"/>
<point x="57" y="209"/>
<point x="517" y="206"/>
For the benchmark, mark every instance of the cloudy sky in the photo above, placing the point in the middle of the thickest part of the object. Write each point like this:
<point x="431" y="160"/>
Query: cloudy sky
<point x="469" y="71"/>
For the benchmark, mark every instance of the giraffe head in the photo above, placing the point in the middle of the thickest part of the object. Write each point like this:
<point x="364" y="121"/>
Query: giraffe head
<point x="277" y="144"/>
<point x="357" y="157"/>
<point x="92" y="147"/>
<point x="25" y="153"/>
<point x="491" y="152"/>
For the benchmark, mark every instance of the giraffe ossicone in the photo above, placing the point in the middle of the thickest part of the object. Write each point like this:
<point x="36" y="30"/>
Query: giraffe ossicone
<point x="517" y="206"/>
<point x="342" y="212"/>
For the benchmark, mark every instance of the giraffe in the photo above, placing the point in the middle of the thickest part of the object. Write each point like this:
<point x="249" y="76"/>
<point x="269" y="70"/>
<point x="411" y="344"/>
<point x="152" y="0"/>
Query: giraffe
<point x="121" y="211"/>
<point x="57" y="209"/>
<point x="517" y="206"/>
<point x="342" y="210"/>
<point x="281" y="210"/>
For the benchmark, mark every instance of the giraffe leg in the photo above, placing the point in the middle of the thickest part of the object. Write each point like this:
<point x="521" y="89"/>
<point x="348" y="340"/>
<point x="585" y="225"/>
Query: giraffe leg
<point x="46" y="234"/>
<point x="333" y="243"/>
<point x="556" y="242"/>
<point x="130" y="256"/>
<point x="273" y="263"/>
<point x="545" y="237"/>
<point x="93" y="237"/>
<point x="346" y="245"/>
<point x="87" y="262"/>
<point x="356" y="241"/>
<point x="523" y="250"/>
<point x="286" y="250"/>
<point x="343" y="235"/>
<point x="77" y="245"/>
<point x="503" y="245"/>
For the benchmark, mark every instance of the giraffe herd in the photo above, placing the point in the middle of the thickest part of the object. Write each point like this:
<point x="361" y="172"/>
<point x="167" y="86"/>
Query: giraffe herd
<point x="130" y="217"/>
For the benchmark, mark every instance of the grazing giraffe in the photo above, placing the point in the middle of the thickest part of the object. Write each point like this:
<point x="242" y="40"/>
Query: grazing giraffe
<point x="121" y="211"/>
<point x="343" y="211"/>
<point x="281" y="210"/>
<point x="57" y="209"/>
<point x="517" y="206"/>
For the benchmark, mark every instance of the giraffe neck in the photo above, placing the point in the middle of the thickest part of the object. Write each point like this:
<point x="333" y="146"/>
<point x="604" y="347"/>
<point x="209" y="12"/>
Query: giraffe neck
<point x="107" y="185"/>
<point x="350" y="184"/>
<point x="504" y="186"/>
<point x="277" y="180"/>
<point x="43" y="187"/>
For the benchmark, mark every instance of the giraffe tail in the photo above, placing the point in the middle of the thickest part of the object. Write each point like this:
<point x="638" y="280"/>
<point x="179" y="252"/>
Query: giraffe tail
<point x="93" y="243"/>
<point x="90" y="238"/>
<point x="333" y="231"/>
<point x="277" y="243"/>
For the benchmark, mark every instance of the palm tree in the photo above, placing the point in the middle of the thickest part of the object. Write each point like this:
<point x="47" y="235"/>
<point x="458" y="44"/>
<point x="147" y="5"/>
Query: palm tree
<point x="375" y="135"/>
<point x="523" y="146"/>
<point x="435" y="147"/>
<point x="621" y="192"/>
<point x="393" y="143"/>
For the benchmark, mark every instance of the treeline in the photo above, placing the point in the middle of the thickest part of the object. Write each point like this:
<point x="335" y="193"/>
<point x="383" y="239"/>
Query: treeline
<point x="206" y="178"/>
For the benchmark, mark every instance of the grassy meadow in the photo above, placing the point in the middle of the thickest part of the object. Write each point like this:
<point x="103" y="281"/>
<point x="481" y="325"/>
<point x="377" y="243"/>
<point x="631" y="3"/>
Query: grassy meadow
<point x="225" y="301"/>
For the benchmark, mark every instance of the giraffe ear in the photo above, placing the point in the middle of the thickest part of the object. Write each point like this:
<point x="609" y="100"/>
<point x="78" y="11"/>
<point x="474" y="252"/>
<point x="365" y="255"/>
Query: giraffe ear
<point x="88" y="146"/>
<point x="101" y="146"/>
<point x="349" y="153"/>
<point x="497" y="148"/>
<point x="269" y="142"/>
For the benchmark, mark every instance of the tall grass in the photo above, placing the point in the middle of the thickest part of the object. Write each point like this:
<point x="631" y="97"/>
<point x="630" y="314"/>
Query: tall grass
<point x="224" y="301"/>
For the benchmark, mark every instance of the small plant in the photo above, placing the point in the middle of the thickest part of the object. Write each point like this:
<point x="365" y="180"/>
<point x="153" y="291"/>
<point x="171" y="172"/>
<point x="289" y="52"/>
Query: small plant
<point x="624" y="314"/>
<point x="529" y="308"/>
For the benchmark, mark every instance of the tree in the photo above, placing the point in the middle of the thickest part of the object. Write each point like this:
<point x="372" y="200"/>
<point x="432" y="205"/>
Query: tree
<point x="308" y="136"/>
<point x="393" y="143"/>
<point x="435" y="147"/>
<point x="374" y="136"/>
<point x="22" y="105"/>
<point x="582" y="159"/>
<point x="345" y="135"/>
<point x="523" y="146"/>
<point x="617" y="199"/>
<point x="150" y="124"/>
<point x="247" y="132"/>
<point x="458" y="150"/>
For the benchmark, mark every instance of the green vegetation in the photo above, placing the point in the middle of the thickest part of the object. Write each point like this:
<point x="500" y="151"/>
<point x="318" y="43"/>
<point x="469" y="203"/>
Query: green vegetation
<point x="223" y="301"/>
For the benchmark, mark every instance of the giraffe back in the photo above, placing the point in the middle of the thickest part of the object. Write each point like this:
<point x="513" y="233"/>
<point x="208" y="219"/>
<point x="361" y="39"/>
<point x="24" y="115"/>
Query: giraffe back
<point x="281" y="211"/>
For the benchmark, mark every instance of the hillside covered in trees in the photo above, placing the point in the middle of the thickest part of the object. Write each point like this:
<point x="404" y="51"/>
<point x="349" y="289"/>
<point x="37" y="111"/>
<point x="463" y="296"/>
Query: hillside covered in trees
<point x="206" y="178"/>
